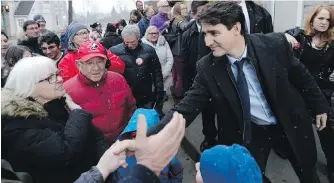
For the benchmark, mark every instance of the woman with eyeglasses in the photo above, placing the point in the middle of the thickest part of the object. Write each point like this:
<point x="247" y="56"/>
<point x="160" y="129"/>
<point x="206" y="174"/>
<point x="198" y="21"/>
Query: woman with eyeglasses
<point x="44" y="133"/>
<point x="77" y="34"/>
<point x="158" y="42"/>
<point x="12" y="56"/>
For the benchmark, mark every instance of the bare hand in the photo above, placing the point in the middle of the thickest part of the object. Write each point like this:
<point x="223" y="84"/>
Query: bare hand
<point x="109" y="162"/>
<point x="331" y="77"/>
<point x="167" y="22"/>
<point x="156" y="151"/>
<point x="70" y="103"/>
<point x="294" y="43"/>
<point x="321" y="120"/>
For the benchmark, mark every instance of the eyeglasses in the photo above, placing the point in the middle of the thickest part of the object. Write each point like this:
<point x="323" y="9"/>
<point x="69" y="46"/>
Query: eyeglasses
<point x="164" y="6"/>
<point x="82" y="33"/>
<point x="51" y="79"/>
<point x="153" y="33"/>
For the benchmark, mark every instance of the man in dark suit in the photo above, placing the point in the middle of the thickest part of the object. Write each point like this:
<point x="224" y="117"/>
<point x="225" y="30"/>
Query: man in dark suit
<point x="259" y="91"/>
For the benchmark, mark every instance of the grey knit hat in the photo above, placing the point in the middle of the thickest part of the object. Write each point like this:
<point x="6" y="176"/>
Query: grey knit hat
<point x="38" y="18"/>
<point x="74" y="28"/>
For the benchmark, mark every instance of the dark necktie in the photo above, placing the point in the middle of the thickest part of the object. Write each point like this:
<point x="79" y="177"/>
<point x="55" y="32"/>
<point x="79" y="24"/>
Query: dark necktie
<point x="242" y="88"/>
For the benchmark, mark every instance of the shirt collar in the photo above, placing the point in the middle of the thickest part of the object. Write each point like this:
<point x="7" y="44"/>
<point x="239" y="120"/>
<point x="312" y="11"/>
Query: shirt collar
<point x="243" y="4"/>
<point x="232" y="60"/>
<point x="199" y="27"/>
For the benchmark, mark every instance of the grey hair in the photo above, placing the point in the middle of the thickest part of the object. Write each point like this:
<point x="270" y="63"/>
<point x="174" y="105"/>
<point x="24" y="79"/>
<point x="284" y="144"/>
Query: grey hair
<point x="150" y="28"/>
<point x="27" y="72"/>
<point x="131" y="30"/>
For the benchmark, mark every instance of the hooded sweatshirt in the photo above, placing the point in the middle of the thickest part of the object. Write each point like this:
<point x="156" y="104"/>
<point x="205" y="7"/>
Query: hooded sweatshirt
<point x="229" y="164"/>
<point x="173" y="173"/>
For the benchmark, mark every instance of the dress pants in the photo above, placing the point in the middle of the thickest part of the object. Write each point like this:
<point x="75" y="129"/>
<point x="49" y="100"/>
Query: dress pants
<point x="266" y="137"/>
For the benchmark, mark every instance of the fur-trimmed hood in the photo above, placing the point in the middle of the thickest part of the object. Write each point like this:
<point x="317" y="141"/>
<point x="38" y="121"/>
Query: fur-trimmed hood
<point x="15" y="106"/>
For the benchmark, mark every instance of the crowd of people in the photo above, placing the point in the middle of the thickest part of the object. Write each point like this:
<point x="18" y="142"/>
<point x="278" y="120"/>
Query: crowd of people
<point x="88" y="107"/>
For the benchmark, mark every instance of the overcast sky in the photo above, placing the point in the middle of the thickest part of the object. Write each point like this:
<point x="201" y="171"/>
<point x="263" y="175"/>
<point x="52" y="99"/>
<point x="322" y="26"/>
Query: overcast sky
<point x="102" y="5"/>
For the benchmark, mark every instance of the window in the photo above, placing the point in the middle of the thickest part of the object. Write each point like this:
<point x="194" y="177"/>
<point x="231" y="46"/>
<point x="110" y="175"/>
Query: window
<point x="20" y="22"/>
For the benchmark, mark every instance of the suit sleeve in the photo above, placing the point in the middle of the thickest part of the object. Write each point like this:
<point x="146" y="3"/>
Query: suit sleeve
<point x="304" y="82"/>
<point x="195" y="100"/>
<point x="91" y="176"/>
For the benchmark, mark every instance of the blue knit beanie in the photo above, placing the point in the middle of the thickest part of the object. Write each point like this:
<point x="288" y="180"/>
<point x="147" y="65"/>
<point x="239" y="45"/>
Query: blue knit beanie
<point x="229" y="164"/>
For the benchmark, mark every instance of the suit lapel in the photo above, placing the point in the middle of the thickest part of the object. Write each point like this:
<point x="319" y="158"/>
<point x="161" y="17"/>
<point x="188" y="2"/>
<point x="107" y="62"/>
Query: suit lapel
<point x="264" y="63"/>
<point x="224" y="81"/>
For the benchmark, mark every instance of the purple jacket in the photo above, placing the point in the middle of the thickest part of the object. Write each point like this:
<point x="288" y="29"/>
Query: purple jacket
<point x="159" y="20"/>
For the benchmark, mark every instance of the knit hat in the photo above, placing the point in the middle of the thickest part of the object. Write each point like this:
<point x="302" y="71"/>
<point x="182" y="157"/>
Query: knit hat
<point x="39" y="18"/>
<point x="151" y="115"/>
<point x="229" y="164"/>
<point x="74" y="28"/>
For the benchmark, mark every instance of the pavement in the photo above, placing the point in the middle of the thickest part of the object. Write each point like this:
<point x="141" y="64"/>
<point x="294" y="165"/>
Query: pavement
<point x="278" y="170"/>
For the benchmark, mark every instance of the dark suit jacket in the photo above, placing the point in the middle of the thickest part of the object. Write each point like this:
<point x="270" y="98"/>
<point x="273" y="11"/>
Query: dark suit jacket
<point x="283" y="79"/>
<point x="259" y="18"/>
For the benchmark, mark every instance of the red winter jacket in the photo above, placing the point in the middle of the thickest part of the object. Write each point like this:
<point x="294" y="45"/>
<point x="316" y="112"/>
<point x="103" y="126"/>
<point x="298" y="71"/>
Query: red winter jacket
<point x="69" y="69"/>
<point x="110" y="101"/>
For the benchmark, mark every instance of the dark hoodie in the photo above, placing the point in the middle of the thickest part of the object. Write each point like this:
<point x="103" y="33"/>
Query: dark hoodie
<point x="111" y="39"/>
<point x="31" y="43"/>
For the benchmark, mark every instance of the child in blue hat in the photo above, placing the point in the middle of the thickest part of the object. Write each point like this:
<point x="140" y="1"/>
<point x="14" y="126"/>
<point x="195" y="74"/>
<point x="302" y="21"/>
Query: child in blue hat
<point x="173" y="173"/>
<point x="228" y="164"/>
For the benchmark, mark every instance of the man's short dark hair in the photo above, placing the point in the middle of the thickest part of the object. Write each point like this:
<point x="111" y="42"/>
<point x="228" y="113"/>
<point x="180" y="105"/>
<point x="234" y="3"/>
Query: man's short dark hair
<point x="49" y="38"/>
<point x="138" y="2"/>
<point x="196" y="4"/>
<point x="27" y="23"/>
<point x="224" y="12"/>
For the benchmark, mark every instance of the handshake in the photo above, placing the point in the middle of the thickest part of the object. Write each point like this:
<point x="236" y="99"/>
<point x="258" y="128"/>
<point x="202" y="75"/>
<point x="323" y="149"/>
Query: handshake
<point x="153" y="152"/>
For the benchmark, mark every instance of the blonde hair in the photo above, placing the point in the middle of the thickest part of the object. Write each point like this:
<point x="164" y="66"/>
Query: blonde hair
<point x="27" y="72"/>
<point x="177" y="12"/>
<point x="309" y="30"/>
<point x="149" y="28"/>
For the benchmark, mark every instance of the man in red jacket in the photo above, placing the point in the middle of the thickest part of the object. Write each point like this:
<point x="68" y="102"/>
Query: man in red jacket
<point x="105" y="94"/>
<point x="78" y="33"/>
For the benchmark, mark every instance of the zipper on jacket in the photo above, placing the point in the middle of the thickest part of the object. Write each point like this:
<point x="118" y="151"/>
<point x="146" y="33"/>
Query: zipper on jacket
<point x="229" y="71"/>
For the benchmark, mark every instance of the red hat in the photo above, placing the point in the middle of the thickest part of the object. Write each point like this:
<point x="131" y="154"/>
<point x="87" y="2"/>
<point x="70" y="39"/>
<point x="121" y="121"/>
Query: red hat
<point x="90" y="49"/>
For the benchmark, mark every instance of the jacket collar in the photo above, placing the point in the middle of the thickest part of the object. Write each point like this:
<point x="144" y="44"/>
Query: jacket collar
<point x="84" y="80"/>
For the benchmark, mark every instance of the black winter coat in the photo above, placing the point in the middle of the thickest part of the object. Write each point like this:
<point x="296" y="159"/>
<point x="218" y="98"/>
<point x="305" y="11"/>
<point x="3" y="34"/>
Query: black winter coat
<point x="141" y="76"/>
<point x="287" y="86"/>
<point x="111" y="39"/>
<point x="259" y="18"/>
<point x="47" y="142"/>
<point x="321" y="69"/>
<point x="31" y="43"/>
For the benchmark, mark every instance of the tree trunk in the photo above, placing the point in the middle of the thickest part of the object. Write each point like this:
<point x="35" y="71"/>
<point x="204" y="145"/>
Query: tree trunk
<point x="70" y="12"/>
